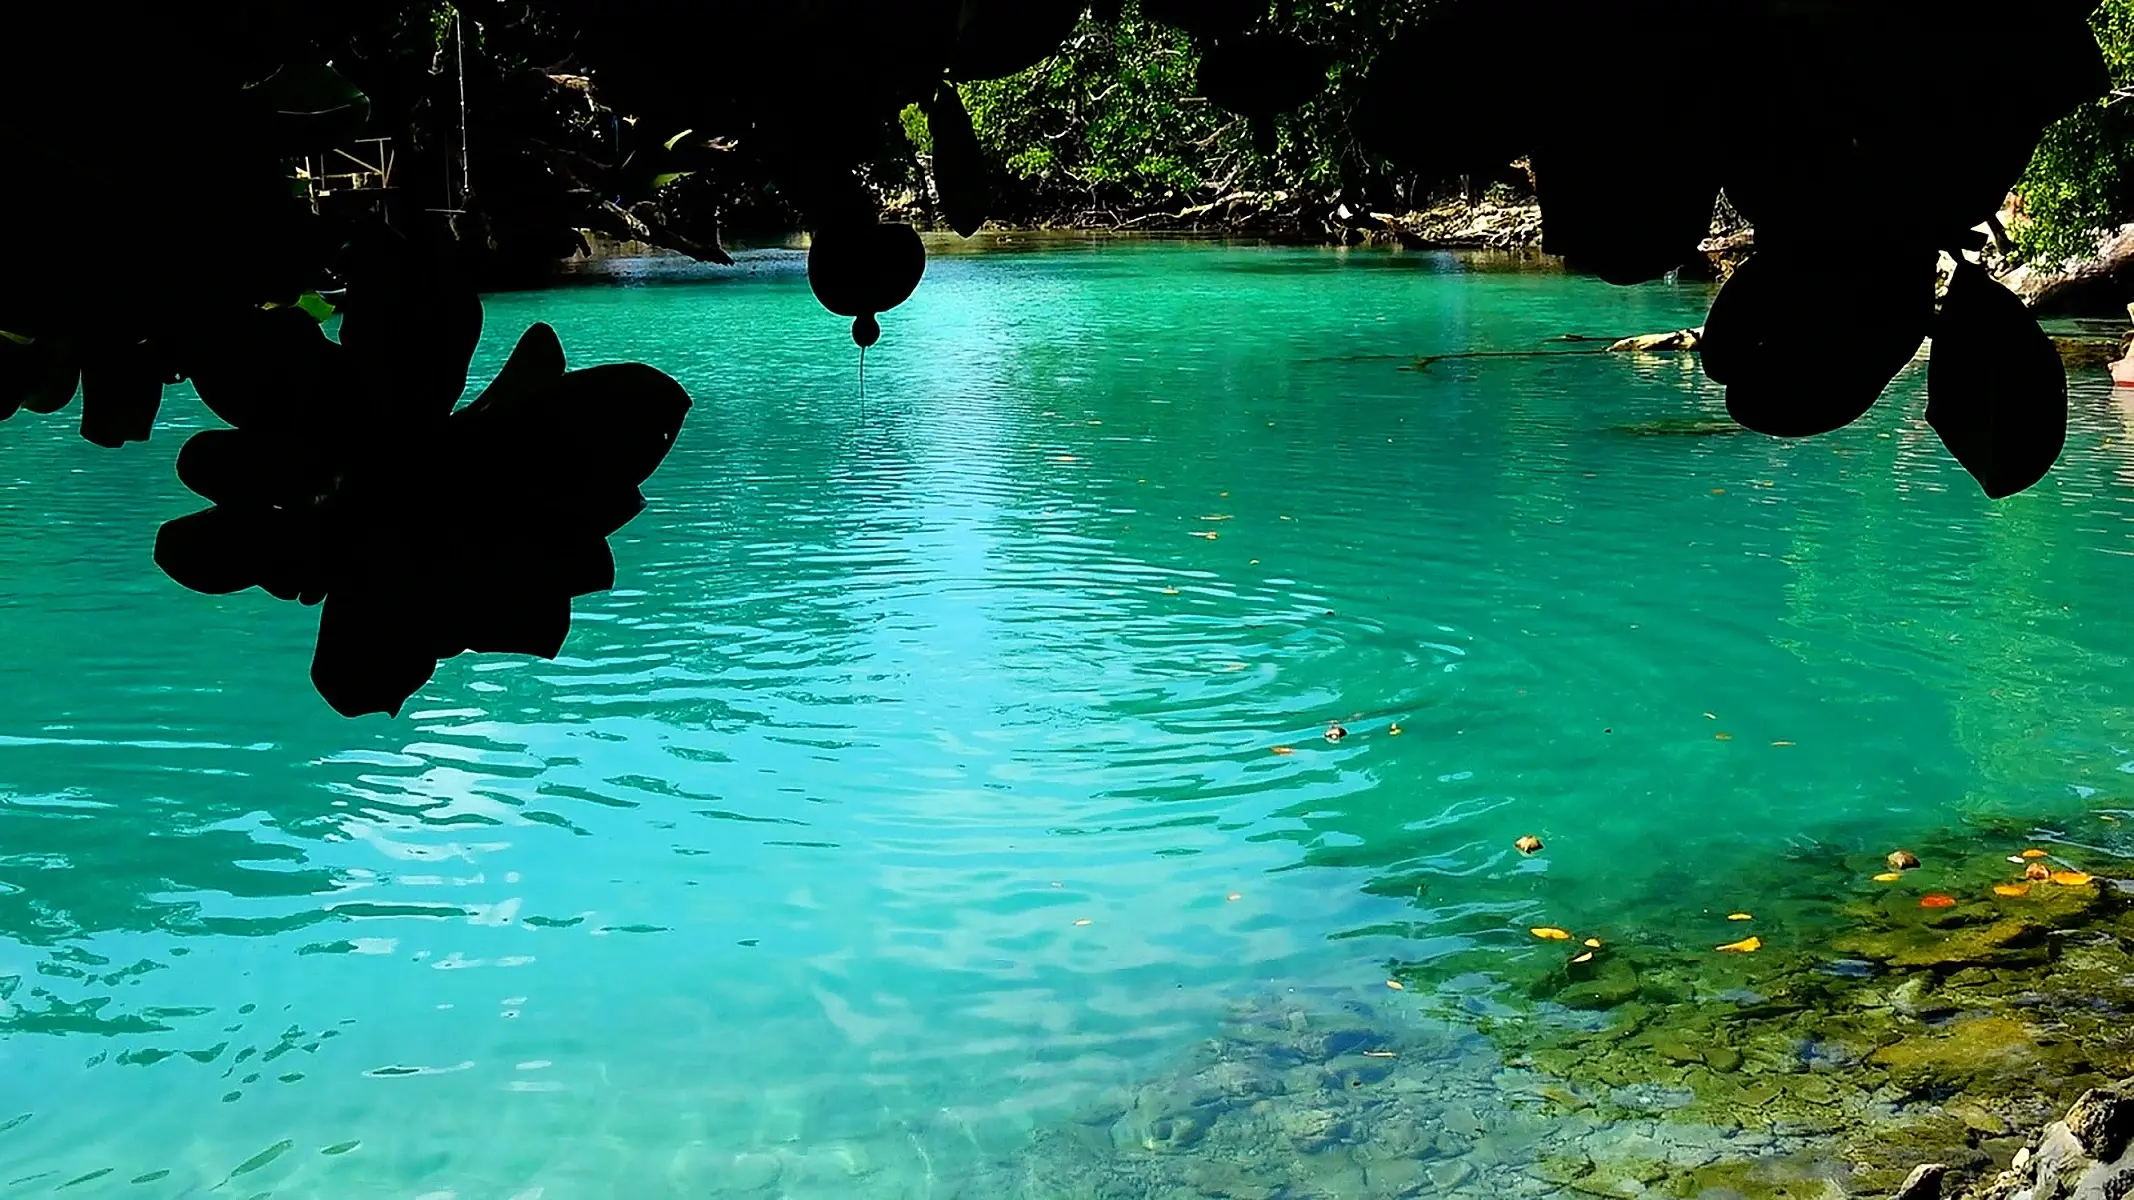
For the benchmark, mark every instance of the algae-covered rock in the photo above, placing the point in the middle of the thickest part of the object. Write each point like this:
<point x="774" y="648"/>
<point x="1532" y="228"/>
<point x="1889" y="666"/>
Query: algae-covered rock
<point x="1214" y="1177"/>
<point x="1960" y="1055"/>
<point x="1614" y="982"/>
<point x="2003" y="942"/>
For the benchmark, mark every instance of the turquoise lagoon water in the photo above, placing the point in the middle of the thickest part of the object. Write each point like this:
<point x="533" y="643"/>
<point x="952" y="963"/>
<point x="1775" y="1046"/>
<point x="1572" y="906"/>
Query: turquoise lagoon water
<point x="919" y="784"/>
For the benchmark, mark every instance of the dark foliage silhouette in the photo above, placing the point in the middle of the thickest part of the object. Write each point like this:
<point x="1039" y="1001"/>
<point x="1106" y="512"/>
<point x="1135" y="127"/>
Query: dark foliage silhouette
<point x="347" y="471"/>
<point x="349" y="479"/>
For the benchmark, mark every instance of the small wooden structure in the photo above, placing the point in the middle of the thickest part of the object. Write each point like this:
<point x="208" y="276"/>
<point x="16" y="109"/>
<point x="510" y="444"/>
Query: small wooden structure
<point x="330" y="178"/>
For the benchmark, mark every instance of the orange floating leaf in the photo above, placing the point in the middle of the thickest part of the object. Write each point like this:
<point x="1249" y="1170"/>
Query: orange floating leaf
<point x="1749" y="945"/>
<point x="2033" y="852"/>
<point x="2070" y="878"/>
<point x="1722" y="737"/>
<point x="1937" y="900"/>
<point x="2011" y="889"/>
<point x="1549" y="933"/>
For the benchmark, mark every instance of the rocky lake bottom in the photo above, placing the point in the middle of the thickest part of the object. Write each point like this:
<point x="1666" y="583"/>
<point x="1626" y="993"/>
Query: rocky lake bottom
<point x="1941" y="1014"/>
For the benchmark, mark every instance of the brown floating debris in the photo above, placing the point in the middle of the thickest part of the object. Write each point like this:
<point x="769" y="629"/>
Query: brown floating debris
<point x="2037" y="870"/>
<point x="1528" y="844"/>
<point x="1903" y="860"/>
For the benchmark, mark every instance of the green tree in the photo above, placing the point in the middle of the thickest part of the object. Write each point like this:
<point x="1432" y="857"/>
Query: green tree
<point x="2081" y="181"/>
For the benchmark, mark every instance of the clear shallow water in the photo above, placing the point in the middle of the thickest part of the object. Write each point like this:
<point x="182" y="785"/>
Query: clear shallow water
<point x="776" y="879"/>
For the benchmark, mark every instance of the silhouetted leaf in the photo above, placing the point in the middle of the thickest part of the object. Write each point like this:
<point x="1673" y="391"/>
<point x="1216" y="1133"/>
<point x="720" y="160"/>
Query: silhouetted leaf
<point x="1996" y="390"/>
<point x="997" y="38"/>
<point x="863" y="269"/>
<point x="250" y="467"/>
<point x="1805" y="343"/>
<point x="121" y="391"/>
<point x="269" y="370"/>
<point x="536" y="363"/>
<point x="1626" y="220"/>
<point x="1261" y="75"/>
<point x="39" y="375"/>
<point x="216" y="551"/>
<point x="1406" y="105"/>
<point x="370" y="656"/>
<point x="959" y="166"/>
<point x="410" y="324"/>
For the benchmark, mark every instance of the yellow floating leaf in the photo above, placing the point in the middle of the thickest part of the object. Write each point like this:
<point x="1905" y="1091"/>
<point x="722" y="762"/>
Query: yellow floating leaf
<point x="1718" y="491"/>
<point x="2070" y="878"/>
<point x="1549" y="933"/>
<point x="2033" y="852"/>
<point x="1722" y="737"/>
<point x="1889" y="877"/>
<point x="1396" y="985"/>
<point x="1284" y="749"/>
<point x="1594" y="943"/>
<point x="1739" y="917"/>
<point x="1745" y="946"/>
<point x="2011" y="889"/>
<point x="1583" y="958"/>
